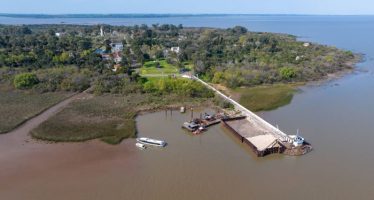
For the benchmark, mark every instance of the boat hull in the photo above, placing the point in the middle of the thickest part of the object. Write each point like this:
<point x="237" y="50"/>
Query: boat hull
<point x="151" y="142"/>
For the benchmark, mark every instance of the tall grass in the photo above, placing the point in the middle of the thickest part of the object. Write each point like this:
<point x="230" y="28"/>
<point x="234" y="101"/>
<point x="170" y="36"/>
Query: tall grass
<point x="18" y="106"/>
<point x="110" y="118"/>
<point x="264" y="98"/>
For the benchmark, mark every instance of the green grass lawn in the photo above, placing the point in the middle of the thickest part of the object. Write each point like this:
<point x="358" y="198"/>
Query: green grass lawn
<point x="262" y="98"/>
<point x="152" y="67"/>
<point x="188" y="65"/>
<point x="18" y="106"/>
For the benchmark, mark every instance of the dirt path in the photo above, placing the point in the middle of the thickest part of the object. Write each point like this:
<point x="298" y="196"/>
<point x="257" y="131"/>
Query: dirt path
<point x="34" y="122"/>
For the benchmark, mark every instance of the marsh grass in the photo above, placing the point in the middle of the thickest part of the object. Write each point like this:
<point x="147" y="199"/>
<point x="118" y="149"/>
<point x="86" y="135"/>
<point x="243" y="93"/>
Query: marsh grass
<point x="110" y="118"/>
<point x="16" y="106"/>
<point x="263" y="98"/>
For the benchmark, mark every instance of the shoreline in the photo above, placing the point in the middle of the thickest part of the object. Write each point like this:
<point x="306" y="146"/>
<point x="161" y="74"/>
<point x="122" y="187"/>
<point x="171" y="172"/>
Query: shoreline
<point x="359" y="58"/>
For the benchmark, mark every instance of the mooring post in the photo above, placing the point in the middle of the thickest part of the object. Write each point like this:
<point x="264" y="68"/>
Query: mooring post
<point x="191" y="113"/>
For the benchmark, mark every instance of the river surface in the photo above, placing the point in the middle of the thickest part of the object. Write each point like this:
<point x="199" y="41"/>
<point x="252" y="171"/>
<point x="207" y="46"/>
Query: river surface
<point x="336" y="117"/>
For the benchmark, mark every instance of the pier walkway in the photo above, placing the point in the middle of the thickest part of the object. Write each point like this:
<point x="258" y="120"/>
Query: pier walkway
<point x="263" y="137"/>
<point x="256" y="121"/>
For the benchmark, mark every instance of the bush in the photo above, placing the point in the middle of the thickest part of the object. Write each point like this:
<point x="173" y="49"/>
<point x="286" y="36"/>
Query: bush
<point x="65" y="78"/>
<point x="287" y="73"/>
<point x="116" y="84"/>
<point x="223" y="103"/>
<point x="25" y="80"/>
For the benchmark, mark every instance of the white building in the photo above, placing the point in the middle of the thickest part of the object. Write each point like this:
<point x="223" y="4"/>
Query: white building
<point x="101" y="32"/>
<point x="59" y="34"/>
<point x="117" y="47"/>
<point x="306" y="44"/>
<point x="175" y="49"/>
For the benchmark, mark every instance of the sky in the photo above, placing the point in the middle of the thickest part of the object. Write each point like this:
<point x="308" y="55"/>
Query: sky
<point x="319" y="7"/>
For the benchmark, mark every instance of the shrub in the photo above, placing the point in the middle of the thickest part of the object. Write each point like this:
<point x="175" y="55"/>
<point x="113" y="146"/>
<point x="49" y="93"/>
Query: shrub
<point x="25" y="80"/>
<point x="287" y="73"/>
<point x="222" y="103"/>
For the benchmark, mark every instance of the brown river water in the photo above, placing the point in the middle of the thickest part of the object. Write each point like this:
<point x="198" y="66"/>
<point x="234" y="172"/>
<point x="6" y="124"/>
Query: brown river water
<point x="336" y="117"/>
<point x="214" y="165"/>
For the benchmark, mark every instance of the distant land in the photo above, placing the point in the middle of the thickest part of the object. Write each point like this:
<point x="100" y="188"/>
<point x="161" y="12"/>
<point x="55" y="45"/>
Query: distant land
<point x="106" y="15"/>
<point x="145" y="15"/>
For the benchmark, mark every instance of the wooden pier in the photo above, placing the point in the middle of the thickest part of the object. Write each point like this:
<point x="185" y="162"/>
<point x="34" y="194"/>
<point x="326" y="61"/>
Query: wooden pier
<point x="262" y="137"/>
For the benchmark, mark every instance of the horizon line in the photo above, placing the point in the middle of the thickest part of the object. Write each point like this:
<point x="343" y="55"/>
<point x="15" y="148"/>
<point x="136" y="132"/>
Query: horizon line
<point x="178" y="14"/>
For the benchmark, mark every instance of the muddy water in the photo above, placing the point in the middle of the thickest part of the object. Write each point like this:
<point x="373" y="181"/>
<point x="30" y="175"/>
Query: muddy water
<point x="213" y="165"/>
<point x="204" y="167"/>
<point x="336" y="117"/>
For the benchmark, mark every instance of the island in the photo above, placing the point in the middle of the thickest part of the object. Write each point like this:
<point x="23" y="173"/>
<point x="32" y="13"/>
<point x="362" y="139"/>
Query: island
<point x="107" y="75"/>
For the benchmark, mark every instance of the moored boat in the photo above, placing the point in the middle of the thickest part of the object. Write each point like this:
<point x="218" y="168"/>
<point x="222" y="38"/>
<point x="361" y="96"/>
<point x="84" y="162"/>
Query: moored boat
<point x="183" y="110"/>
<point x="191" y="126"/>
<point x="149" y="141"/>
<point x="140" y="145"/>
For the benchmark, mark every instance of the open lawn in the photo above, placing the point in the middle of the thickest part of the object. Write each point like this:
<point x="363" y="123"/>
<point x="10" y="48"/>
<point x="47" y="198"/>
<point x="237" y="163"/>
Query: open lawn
<point x="110" y="118"/>
<point x="18" y="106"/>
<point x="270" y="97"/>
<point x="158" y="67"/>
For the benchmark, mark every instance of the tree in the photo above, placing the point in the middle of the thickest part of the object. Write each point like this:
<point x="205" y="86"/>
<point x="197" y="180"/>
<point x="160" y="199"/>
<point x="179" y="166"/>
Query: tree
<point x="239" y="30"/>
<point x="25" y="80"/>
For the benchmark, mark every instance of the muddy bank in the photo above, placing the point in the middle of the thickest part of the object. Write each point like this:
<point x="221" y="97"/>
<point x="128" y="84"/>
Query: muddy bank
<point x="29" y="166"/>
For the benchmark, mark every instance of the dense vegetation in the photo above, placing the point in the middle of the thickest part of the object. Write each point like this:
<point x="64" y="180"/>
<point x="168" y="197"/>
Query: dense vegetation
<point x="234" y="57"/>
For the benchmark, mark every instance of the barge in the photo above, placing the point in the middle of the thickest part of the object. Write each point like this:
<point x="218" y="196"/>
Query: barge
<point x="263" y="142"/>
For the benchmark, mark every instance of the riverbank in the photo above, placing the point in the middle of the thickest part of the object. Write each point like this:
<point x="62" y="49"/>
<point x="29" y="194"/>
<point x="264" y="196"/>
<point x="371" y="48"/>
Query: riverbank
<point x="17" y="107"/>
<point x="272" y="96"/>
<point x="110" y="118"/>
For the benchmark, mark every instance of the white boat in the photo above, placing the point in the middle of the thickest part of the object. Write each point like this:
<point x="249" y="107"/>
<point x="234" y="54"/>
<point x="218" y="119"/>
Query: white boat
<point x="183" y="110"/>
<point x="297" y="140"/>
<point x="150" y="141"/>
<point x="140" y="145"/>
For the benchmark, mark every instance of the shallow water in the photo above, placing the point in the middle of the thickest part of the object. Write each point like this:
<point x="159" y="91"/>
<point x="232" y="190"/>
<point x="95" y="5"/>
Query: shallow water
<point x="336" y="117"/>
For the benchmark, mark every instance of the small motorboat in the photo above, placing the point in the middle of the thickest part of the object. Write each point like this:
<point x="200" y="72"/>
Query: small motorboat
<point x="183" y="110"/>
<point x="191" y="126"/>
<point x="208" y="117"/>
<point x="140" y="145"/>
<point x="153" y="142"/>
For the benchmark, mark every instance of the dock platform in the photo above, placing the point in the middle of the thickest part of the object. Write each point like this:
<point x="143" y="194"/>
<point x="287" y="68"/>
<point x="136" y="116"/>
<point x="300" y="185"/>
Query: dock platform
<point x="261" y="142"/>
<point x="261" y="136"/>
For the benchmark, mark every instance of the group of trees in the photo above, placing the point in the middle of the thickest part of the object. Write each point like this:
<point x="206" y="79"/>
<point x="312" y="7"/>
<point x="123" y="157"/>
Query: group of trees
<point x="21" y="46"/>
<point x="48" y="80"/>
<point x="234" y="57"/>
